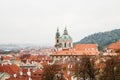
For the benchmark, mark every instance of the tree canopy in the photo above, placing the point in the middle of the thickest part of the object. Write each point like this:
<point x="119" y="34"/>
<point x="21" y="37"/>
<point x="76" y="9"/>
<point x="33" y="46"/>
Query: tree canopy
<point x="102" y="38"/>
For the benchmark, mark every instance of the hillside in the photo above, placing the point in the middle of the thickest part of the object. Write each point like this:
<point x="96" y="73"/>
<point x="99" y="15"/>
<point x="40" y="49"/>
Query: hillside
<point x="102" y="38"/>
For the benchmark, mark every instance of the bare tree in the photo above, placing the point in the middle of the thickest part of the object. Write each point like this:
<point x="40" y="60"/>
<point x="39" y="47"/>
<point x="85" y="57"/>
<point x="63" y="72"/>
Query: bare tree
<point x="85" y="68"/>
<point x="111" y="68"/>
<point x="51" y="72"/>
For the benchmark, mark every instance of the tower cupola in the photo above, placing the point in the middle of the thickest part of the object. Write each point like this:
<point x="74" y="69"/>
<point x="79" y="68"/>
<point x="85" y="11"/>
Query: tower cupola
<point x="57" y="33"/>
<point x="65" y="31"/>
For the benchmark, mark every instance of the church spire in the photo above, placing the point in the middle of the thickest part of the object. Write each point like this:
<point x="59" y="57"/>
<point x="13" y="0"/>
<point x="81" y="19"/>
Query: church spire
<point x="65" y="31"/>
<point x="57" y="33"/>
<point x="57" y="29"/>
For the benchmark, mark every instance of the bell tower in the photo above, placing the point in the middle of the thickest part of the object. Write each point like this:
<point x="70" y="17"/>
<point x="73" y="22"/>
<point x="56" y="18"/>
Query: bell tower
<point x="57" y="38"/>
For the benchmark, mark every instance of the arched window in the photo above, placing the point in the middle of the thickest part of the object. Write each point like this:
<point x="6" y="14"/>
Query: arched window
<point x="57" y="41"/>
<point x="65" y="45"/>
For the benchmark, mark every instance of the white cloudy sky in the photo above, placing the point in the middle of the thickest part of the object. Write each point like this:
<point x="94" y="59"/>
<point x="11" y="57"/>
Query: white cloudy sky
<point x="35" y="21"/>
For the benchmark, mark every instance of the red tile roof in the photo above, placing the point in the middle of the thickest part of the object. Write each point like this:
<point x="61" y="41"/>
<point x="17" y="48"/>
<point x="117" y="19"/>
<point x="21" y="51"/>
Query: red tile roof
<point x="36" y="75"/>
<point x="80" y="49"/>
<point x="6" y="57"/>
<point x="37" y="58"/>
<point x="18" y="78"/>
<point x="17" y="58"/>
<point x="115" y="45"/>
<point x="85" y="47"/>
<point x="10" y="69"/>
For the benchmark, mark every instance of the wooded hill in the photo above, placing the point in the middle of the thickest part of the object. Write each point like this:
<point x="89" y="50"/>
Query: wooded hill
<point x="102" y="38"/>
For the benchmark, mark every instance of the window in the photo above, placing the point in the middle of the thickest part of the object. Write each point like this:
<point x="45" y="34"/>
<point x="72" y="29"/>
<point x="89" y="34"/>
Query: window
<point x="65" y="44"/>
<point x="60" y="45"/>
<point x="69" y="44"/>
<point x="57" y="41"/>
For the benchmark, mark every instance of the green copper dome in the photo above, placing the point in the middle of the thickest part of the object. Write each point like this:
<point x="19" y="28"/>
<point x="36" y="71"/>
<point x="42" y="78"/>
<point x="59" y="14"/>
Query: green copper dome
<point x="65" y="37"/>
<point x="57" y="34"/>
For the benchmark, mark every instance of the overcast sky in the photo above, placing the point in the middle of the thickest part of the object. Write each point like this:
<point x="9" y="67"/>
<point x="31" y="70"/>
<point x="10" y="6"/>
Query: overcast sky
<point x="36" y="21"/>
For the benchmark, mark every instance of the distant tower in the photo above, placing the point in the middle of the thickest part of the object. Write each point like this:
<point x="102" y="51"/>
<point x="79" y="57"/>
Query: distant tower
<point x="57" y="38"/>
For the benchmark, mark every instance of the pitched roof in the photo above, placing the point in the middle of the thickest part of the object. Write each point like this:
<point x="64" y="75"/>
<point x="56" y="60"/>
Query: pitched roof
<point x="83" y="47"/>
<point x="115" y="45"/>
<point x="37" y="58"/>
<point x="19" y="78"/>
<point x="6" y="57"/>
<point x="10" y="69"/>
<point x="80" y="49"/>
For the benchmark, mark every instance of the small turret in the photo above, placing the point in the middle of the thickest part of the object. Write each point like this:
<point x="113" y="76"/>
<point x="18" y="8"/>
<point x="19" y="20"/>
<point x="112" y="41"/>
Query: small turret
<point x="57" y="33"/>
<point x="65" y="31"/>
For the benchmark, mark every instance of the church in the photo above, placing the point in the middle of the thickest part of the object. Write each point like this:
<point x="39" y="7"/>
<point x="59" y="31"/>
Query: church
<point x="63" y="42"/>
<point x="64" y="47"/>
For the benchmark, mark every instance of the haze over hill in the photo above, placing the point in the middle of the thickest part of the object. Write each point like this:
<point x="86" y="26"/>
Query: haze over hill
<point x="102" y="38"/>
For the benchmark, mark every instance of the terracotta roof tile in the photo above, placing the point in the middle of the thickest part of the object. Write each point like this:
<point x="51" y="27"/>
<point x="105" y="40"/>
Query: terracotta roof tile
<point x="115" y="45"/>
<point x="6" y="57"/>
<point x="80" y="49"/>
<point x="10" y="69"/>
<point x="83" y="47"/>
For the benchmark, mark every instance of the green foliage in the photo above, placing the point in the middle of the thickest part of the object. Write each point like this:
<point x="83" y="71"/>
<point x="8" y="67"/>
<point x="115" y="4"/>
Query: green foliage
<point x="102" y="38"/>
